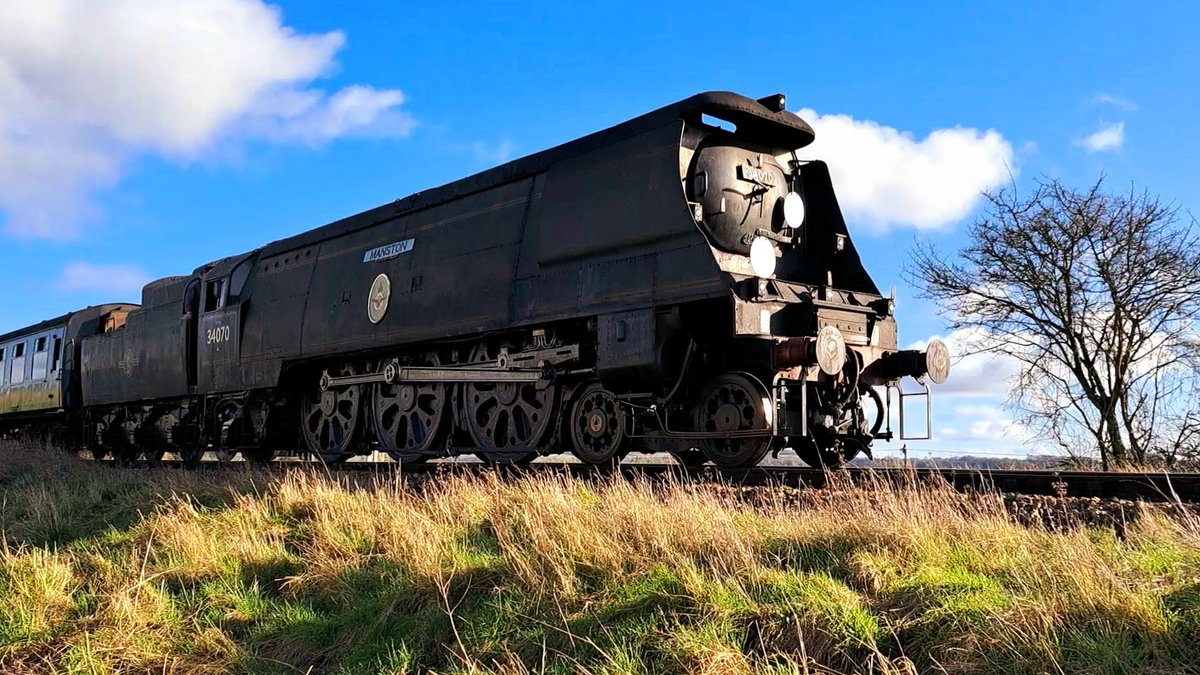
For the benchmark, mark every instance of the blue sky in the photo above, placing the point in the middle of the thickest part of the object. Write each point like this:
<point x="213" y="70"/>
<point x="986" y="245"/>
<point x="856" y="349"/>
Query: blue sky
<point x="140" y="139"/>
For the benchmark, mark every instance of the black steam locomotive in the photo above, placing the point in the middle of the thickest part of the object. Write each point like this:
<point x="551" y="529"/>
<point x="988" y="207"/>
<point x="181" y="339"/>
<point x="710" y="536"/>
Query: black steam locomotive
<point x="681" y="282"/>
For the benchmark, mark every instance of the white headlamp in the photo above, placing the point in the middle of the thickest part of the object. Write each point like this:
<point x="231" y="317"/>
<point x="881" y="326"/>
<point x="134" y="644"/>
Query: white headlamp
<point x="762" y="257"/>
<point x="793" y="210"/>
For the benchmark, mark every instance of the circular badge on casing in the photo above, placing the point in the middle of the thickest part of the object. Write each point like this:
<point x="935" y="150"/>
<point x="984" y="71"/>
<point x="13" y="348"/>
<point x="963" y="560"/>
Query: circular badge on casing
<point x="377" y="301"/>
<point x="128" y="363"/>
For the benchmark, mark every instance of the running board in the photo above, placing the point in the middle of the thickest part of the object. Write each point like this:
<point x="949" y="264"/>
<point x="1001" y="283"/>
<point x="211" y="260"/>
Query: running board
<point x="506" y="369"/>
<point x="394" y="374"/>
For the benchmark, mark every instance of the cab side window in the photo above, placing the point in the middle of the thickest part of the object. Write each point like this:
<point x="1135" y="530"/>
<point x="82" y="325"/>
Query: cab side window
<point x="214" y="295"/>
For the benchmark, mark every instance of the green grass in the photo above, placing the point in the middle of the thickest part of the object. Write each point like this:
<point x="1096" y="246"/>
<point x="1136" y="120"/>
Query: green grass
<point x="107" y="570"/>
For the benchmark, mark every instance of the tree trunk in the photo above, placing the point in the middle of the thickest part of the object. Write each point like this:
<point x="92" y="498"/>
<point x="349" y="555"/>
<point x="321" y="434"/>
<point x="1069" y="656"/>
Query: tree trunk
<point x="1116" y="445"/>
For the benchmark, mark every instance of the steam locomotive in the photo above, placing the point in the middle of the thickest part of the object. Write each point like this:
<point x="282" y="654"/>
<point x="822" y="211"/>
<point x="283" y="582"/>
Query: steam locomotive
<point x="682" y="282"/>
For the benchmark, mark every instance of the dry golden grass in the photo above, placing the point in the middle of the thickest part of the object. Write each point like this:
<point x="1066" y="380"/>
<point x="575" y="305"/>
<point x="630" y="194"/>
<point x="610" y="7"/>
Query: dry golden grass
<point x="109" y="570"/>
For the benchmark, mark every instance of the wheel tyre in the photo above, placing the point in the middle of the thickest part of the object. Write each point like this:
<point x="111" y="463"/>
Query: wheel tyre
<point x="125" y="455"/>
<point x="510" y="458"/>
<point x="409" y="460"/>
<point x="331" y="459"/>
<point x="191" y="456"/>
<point x="822" y="456"/>
<point x="258" y="455"/>
<point x="690" y="457"/>
<point x="225" y="455"/>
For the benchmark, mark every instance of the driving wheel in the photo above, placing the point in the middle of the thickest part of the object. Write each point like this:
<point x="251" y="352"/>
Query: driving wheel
<point x="330" y="418"/>
<point x="409" y="416"/>
<point x="507" y="422"/>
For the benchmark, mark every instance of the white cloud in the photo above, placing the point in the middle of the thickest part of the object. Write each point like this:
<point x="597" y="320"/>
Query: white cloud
<point x="887" y="178"/>
<point x="1107" y="137"/>
<point x="84" y="276"/>
<point x="973" y="372"/>
<point x="983" y="423"/>
<point x="88" y="86"/>
<point x="313" y="118"/>
<point x="1119" y="102"/>
<point x="492" y="153"/>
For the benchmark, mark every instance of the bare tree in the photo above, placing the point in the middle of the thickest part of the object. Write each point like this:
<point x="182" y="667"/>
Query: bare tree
<point x="1097" y="295"/>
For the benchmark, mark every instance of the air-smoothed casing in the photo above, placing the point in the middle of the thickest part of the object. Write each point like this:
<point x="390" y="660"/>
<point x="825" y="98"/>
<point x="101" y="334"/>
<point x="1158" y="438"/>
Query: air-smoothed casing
<point x="601" y="225"/>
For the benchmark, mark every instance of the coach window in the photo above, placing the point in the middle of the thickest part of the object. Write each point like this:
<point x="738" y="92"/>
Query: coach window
<point x="214" y="295"/>
<point x="40" y="358"/>
<point x="18" y="364"/>
<point x="3" y="365"/>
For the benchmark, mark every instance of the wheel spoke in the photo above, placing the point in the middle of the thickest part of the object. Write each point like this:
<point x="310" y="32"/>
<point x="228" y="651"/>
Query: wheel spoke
<point x="433" y="402"/>
<point x="520" y="424"/>
<point x="506" y="421"/>
<point x="314" y="419"/>
<point x="323" y="434"/>
<point x="499" y="429"/>
<point x="415" y="430"/>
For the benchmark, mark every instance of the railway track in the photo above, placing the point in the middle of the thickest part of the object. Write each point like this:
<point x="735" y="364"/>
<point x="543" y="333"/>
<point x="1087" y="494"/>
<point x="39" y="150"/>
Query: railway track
<point x="1148" y="486"/>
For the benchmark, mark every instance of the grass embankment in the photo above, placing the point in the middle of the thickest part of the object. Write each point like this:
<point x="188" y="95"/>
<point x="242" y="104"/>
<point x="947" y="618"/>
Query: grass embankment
<point x="108" y="570"/>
